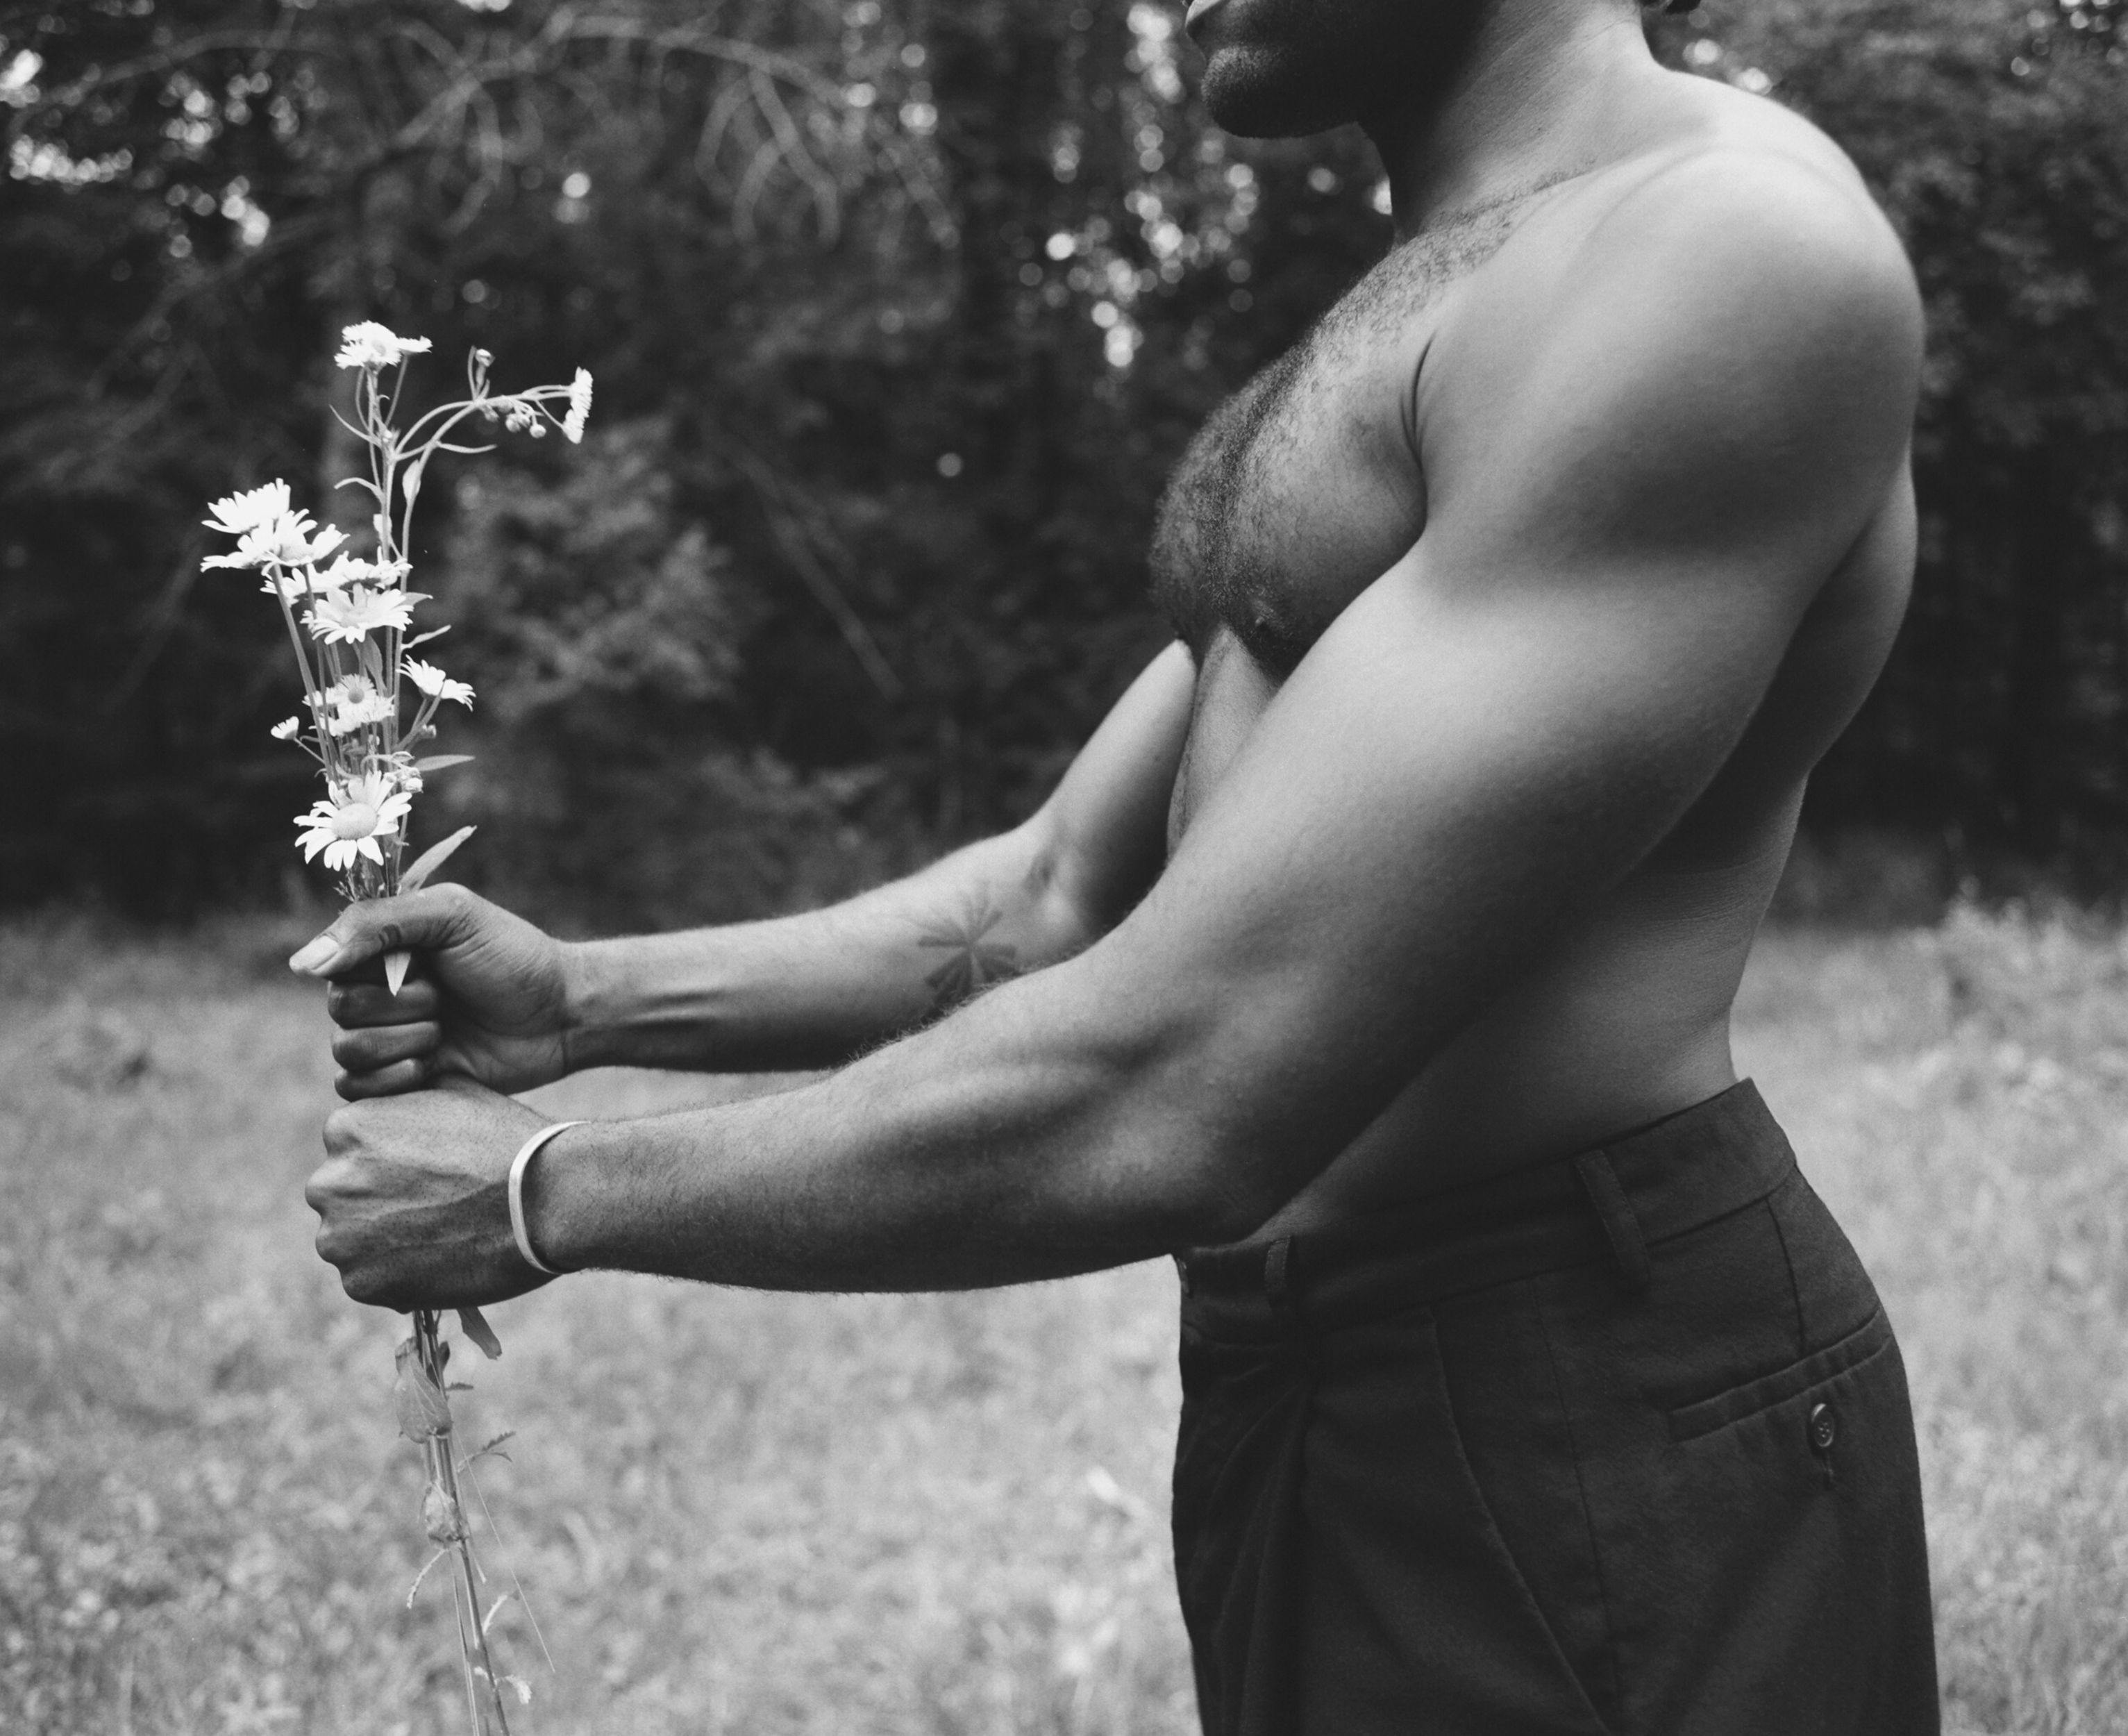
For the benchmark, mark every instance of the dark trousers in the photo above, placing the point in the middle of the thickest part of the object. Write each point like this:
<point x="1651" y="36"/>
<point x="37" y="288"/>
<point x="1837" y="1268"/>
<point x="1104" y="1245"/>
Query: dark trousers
<point x="1618" y="1445"/>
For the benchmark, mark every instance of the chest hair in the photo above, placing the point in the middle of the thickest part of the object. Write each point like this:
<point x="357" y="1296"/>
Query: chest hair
<point x="1224" y="545"/>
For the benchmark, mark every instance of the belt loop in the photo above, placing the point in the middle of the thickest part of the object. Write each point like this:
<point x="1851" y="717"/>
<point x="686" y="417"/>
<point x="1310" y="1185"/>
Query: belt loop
<point x="1621" y="1230"/>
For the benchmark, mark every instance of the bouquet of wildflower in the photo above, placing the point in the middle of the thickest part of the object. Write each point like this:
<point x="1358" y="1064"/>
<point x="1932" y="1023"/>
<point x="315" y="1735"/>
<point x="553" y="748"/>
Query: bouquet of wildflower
<point x="351" y="625"/>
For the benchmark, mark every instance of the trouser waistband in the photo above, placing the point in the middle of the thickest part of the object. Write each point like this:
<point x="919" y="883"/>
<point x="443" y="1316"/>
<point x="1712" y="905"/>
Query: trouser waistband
<point x="1611" y="1203"/>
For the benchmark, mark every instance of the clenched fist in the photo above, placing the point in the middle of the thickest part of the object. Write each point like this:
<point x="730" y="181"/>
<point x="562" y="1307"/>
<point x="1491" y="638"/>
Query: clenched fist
<point x="486" y="999"/>
<point x="414" y="1199"/>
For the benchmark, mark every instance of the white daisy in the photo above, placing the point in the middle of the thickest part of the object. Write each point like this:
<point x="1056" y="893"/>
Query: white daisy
<point x="433" y="682"/>
<point x="349" y="689"/>
<point x="354" y="702"/>
<point x="295" y="541"/>
<point x="285" y="729"/>
<point x="371" y="345"/>
<point x="358" y="714"/>
<point x="351" y="570"/>
<point x="247" y="511"/>
<point x="308" y="581"/>
<point x="291" y="539"/>
<point x="580" y="405"/>
<point x="254" y="548"/>
<point x="350" y="615"/>
<point x="353" y="823"/>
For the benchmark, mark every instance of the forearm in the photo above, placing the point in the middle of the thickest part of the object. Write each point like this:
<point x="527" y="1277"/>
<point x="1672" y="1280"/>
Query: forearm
<point x="1048" y="1130"/>
<point x="811" y="991"/>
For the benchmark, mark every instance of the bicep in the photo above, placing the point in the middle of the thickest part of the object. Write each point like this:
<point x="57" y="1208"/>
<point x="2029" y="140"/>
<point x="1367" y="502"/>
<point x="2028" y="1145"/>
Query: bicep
<point x="1444" y="779"/>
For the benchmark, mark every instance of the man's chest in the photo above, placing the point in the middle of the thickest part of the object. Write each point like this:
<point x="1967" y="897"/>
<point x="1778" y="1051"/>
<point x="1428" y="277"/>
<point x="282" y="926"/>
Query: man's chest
<point x="1305" y="486"/>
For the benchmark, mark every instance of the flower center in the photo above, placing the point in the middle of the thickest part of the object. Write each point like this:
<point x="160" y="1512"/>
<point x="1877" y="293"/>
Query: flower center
<point x="357" y="820"/>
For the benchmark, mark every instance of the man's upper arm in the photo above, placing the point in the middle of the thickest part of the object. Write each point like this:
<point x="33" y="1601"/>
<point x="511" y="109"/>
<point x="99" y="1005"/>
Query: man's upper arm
<point x="1100" y="839"/>
<point x="1626" y="521"/>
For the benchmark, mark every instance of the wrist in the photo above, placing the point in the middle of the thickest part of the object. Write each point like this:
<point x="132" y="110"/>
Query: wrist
<point x="645" y="1001"/>
<point x="564" y="1197"/>
<point x="590" y="1031"/>
<point x="518" y="1188"/>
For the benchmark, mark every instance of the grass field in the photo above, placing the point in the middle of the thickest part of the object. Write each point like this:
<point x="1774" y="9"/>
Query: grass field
<point x="762" y="1514"/>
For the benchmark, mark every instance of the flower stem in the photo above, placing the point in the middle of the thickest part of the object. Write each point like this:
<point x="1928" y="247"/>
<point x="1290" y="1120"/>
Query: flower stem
<point x="311" y="688"/>
<point x="483" y="1690"/>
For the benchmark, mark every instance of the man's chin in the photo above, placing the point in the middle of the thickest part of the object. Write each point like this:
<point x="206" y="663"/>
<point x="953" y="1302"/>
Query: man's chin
<point x="1250" y="95"/>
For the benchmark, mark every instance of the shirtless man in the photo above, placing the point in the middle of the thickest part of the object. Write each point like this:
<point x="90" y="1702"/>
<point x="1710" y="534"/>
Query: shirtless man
<point x="1375" y="955"/>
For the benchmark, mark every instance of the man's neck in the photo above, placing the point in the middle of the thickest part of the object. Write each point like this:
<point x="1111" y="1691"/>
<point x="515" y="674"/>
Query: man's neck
<point x="1541" y="88"/>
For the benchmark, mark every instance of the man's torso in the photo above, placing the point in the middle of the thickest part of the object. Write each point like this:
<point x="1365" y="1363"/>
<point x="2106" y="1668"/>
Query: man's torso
<point x="1308" y="485"/>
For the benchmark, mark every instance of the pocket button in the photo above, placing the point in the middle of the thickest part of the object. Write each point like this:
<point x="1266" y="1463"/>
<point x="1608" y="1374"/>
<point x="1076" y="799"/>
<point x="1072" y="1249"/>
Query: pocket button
<point x="1824" y="1428"/>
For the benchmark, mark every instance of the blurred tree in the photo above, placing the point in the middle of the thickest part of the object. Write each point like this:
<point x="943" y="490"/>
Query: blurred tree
<point x="1996" y="133"/>
<point x="198" y="195"/>
<point x="920" y="309"/>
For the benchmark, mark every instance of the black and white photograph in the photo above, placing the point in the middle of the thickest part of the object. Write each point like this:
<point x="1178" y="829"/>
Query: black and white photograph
<point x="1110" y="868"/>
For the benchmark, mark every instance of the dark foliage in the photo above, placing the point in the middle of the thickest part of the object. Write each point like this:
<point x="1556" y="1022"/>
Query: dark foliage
<point x="1997" y="135"/>
<point x="899" y="314"/>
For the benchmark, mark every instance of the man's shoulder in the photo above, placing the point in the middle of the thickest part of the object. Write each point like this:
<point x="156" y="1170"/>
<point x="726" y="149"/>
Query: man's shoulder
<point x="1715" y="345"/>
<point x="1731" y="286"/>
<point x="1748" y="213"/>
<point x="1754" y="230"/>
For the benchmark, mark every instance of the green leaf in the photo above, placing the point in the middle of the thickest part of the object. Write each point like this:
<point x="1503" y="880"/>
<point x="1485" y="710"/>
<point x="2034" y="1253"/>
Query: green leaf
<point x="437" y="762"/>
<point x="432" y="859"/>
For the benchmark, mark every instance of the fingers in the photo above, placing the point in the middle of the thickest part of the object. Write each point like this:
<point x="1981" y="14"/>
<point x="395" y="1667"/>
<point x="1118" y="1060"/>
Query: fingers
<point x="433" y="917"/>
<point x="385" y="1082"/>
<point x="387" y="1043"/>
<point x="462" y="1085"/>
<point x="342" y="1132"/>
<point x="354" y="1005"/>
<point x="326" y="1179"/>
<point x="365" y="1050"/>
<point x="407" y="1197"/>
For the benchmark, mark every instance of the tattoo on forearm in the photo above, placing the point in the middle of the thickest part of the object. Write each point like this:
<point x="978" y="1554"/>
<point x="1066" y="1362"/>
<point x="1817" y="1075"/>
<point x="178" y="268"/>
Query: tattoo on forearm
<point x="972" y="959"/>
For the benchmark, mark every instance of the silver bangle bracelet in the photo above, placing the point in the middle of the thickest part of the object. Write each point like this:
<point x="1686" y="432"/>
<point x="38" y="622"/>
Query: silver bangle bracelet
<point x="518" y="1165"/>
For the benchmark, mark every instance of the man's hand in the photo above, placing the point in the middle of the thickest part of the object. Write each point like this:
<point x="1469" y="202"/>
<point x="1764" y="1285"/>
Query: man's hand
<point x="414" y="1197"/>
<point x="486" y="1000"/>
